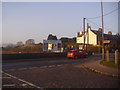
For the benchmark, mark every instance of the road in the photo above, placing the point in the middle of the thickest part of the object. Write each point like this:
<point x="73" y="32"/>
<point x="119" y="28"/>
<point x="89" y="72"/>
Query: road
<point x="54" y="73"/>
<point x="18" y="64"/>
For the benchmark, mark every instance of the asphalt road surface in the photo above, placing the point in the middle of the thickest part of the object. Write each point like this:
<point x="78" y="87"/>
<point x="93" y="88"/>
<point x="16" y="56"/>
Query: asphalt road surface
<point x="29" y="63"/>
<point x="54" y="73"/>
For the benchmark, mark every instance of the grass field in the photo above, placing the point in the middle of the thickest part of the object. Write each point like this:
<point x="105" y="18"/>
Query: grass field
<point x="111" y="63"/>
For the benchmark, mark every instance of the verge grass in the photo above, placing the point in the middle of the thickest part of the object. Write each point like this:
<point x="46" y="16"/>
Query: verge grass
<point x="111" y="63"/>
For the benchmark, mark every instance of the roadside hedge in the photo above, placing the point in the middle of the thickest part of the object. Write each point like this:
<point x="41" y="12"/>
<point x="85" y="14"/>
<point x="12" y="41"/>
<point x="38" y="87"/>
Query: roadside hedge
<point x="31" y="55"/>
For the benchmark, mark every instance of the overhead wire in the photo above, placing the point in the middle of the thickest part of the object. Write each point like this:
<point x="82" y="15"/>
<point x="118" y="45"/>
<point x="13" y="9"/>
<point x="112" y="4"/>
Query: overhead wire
<point x="105" y="14"/>
<point x="96" y="24"/>
<point x="92" y="22"/>
<point x="101" y="16"/>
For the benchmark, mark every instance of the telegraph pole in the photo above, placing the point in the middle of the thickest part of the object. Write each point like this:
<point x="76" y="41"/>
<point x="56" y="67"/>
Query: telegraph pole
<point x="87" y="37"/>
<point x="84" y="32"/>
<point x="103" y="51"/>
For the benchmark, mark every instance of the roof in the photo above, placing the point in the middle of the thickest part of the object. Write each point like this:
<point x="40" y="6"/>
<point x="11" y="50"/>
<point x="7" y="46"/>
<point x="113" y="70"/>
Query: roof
<point x="106" y="36"/>
<point x="111" y="37"/>
<point x="97" y="32"/>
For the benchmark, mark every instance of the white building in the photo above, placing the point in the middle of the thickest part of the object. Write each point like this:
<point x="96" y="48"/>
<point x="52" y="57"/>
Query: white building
<point x="52" y="45"/>
<point x="90" y="37"/>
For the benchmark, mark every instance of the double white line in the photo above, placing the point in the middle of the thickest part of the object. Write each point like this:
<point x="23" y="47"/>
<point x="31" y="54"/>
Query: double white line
<point x="28" y="83"/>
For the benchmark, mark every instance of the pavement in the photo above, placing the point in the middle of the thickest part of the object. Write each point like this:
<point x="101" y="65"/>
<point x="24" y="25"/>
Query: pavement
<point x="95" y="66"/>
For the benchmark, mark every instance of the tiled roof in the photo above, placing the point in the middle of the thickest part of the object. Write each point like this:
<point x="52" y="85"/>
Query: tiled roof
<point x="96" y="32"/>
<point x="114" y="39"/>
<point x="106" y="36"/>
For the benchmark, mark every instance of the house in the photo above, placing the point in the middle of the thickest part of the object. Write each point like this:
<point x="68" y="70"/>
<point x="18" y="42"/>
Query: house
<point x="52" y="44"/>
<point x="94" y="37"/>
<point x="90" y="37"/>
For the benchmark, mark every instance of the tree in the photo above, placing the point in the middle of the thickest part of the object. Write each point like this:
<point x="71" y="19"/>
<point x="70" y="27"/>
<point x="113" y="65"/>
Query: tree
<point x="20" y="43"/>
<point x="10" y="45"/>
<point x="30" y="41"/>
<point x="51" y="37"/>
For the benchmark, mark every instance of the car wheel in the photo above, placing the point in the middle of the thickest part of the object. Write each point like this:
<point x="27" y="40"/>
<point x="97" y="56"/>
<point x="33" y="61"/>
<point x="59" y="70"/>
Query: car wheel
<point x="84" y="56"/>
<point x="76" y="57"/>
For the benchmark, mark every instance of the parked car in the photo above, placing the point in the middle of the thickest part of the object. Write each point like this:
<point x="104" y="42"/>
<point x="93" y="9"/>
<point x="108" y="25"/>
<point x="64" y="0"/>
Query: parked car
<point x="75" y="54"/>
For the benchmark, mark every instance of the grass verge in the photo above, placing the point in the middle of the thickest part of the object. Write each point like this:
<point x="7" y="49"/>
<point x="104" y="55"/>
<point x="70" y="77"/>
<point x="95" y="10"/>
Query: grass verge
<point x="111" y="63"/>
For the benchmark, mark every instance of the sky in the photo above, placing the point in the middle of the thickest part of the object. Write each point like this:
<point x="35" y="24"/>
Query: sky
<point x="36" y="20"/>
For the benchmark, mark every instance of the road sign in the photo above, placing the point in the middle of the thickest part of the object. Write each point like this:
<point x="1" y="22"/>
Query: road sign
<point x="106" y="41"/>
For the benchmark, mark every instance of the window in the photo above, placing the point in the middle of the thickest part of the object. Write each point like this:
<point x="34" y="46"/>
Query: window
<point x="50" y="46"/>
<point x="79" y="51"/>
<point x="59" y="45"/>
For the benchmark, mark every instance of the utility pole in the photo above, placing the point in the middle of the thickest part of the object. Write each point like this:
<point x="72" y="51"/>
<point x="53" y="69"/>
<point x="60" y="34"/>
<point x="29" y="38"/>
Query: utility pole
<point x="84" y="32"/>
<point x="103" y="51"/>
<point x="87" y="37"/>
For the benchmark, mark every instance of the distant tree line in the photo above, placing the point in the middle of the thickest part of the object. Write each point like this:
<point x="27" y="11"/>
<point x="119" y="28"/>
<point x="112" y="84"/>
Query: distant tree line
<point x="67" y="44"/>
<point x="20" y="47"/>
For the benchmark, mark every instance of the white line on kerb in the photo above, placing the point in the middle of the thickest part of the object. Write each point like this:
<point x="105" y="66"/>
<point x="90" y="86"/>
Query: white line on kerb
<point x="33" y="85"/>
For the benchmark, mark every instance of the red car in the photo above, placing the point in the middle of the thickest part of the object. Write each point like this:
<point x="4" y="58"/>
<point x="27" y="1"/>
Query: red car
<point x="76" y="54"/>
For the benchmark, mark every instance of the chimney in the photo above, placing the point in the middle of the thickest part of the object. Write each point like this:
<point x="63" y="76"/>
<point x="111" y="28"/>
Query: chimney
<point x="100" y="29"/>
<point x="78" y="34"/>
<point x="109" y="33"/>
<point x="117" y="34"/>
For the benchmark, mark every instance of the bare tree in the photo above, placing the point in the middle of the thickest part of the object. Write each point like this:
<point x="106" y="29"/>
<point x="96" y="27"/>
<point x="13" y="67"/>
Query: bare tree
<point x="10" y="45"/>
<point x="20" y="43"/>
<point x="30" y="41"/>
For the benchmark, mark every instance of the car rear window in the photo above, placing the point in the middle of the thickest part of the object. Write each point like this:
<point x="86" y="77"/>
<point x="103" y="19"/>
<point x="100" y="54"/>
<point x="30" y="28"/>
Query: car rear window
<point x="70" y="52"/>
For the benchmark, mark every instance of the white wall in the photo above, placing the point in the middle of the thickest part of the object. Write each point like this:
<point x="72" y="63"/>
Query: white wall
<point x="55" y="45"/>
<point x="91" y="37"/>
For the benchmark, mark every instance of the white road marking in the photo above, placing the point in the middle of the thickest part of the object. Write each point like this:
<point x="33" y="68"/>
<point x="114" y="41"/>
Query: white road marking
<point x="44" y="67"/>
<point x="22" y="69"/>
<point x="60" y="65"/>
<point x="52" y="66"/>
<point x="11" y="70"/>
<point x="8" y="85"/>
<point x="33" y="85"/>
<point x="66" y="64"/>
<point x="39" y="67"/>
<point x="6" y="77"/>
<point x="24" y="84"/>
<point x="32" y="67"/>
